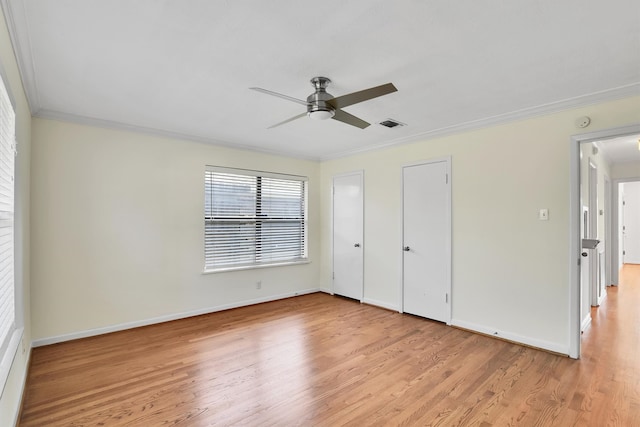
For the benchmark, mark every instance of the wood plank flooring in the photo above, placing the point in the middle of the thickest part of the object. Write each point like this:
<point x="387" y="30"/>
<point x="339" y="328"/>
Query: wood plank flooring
<point x="319" y="360"/>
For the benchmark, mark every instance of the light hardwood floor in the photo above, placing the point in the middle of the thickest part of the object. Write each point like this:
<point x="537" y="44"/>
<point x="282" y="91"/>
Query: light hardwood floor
<point x="328" y="361"/>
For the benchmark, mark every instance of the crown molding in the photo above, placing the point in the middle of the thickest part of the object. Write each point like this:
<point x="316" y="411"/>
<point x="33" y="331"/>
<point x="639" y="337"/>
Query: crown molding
<point x="108" y="124"/>
<point x="541" y="110"/>
<point x="15" y="17"/>
<point x="525" y="113"/>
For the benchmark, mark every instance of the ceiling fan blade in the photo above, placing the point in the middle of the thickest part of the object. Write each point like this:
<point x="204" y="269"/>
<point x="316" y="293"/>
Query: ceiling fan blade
<point x="363" y="95"/>
<point x="350" y="119"/>
<point x="279" y="95"/>
<point x="288" y="120"/>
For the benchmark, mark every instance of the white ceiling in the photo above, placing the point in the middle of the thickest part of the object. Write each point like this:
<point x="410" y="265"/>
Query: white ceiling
<point x="624" y="149"/>
<point x="184" y="68"/>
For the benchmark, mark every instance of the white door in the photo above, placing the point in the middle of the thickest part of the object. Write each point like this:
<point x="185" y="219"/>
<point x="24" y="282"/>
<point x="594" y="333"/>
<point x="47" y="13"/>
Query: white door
<point x="426" y="195"/>
<point x="347" y="235"/>
<point x="631" y="223"/>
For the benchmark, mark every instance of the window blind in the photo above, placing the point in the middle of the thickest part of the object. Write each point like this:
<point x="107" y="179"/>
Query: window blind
<point x="253" y="218"/>
<point x="7" y="161"/>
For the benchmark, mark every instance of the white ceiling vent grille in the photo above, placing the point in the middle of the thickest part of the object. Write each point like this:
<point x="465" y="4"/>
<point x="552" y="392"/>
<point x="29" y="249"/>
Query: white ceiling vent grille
<point x="391" y="123"/>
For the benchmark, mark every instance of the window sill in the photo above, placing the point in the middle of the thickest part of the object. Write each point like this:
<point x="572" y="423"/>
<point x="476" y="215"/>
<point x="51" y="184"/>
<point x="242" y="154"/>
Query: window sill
<point x="252" y="267"/>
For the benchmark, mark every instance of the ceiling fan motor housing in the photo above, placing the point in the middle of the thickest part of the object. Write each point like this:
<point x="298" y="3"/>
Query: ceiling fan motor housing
<point x="317" y="106"/>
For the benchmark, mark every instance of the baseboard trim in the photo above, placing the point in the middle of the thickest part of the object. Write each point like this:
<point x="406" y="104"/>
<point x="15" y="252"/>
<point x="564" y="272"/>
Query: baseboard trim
<point x="25" y="375"/>
<point x="167" y="318"/>
<point x="511" y="337"/>
<point x="380" y="304"/>
<point x="602" y="298"/>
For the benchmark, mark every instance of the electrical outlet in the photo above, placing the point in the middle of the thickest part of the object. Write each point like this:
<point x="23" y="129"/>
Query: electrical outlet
<point x="259" y="284"/>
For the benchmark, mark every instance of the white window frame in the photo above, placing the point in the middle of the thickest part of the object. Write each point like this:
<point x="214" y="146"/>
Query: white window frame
<point x="258" y="220"/>
<point x="14" y="326"/>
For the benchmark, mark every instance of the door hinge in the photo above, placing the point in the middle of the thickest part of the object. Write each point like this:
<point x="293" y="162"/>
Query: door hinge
<point x="446" y="178"/>
<point x="446" y="298"/>
<point x="333" y="276"/>
<point x="624" y="252"/>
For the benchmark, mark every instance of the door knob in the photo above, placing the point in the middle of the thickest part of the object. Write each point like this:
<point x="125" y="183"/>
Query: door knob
<point x="406" y="248"/>
<point x="357" y="245"/>
<point x="584" y="254"/>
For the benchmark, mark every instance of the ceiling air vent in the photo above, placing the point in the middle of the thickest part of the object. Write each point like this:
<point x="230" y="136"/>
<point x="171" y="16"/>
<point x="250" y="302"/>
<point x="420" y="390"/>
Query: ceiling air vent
<point x="391" y="123"/>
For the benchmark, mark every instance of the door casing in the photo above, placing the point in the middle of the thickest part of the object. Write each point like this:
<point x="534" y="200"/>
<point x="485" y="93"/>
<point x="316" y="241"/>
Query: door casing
<point x="575" y="211"/>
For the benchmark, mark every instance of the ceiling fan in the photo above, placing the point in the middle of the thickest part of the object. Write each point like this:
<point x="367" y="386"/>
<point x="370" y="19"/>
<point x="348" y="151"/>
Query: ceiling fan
<point x="321" y="105"/>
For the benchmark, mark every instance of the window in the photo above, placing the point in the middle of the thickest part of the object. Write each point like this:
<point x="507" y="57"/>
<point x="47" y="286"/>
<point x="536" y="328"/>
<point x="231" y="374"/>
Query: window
<point x="9" y="334"/>
<point x="253" y="219"/>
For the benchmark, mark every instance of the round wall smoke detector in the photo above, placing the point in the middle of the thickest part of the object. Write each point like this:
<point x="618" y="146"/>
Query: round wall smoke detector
<point x="583" y="122"/>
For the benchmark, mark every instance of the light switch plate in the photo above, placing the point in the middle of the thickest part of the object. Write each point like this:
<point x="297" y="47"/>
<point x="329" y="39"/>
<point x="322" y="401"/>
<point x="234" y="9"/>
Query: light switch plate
<point x="543" y="215"/>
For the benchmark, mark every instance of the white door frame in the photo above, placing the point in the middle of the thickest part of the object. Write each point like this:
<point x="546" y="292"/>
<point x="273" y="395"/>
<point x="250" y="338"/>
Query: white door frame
<point x="607" y="231"/>
<point x="615" y="259"/>
<point x="575" y="243"/>
<point x="359" y="173"/>
<point x="447" y="160"/>
<point x="592" y="233"/>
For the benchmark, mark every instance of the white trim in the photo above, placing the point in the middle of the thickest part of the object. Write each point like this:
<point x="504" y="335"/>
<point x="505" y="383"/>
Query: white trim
<point x="9" y="356"/>
<point x="254" y="266"/>
<point x="25" y="63"/>
<point x="380" y="304"/>
<point x="601" y="272"/>
<point x="592" y="227"/>
<point x="162" y="133"/>
<point x="602" y="298"/>
<point x="607" y="231"/>
<point x="541" y="110"/>
<point x="448" y="244"/>
<point x="615" y="249"/>
<point x="16" y="332"/>
<point x="255" y="173"/>
<point x="359" y="173"/>
<point x="586" y="322"/>
<point x="23" y="385"/>
<point x="526" y="113"/>
<point x="519" y="339"/>
<point x="575" y="322"/>
<point x="166" y="318"/>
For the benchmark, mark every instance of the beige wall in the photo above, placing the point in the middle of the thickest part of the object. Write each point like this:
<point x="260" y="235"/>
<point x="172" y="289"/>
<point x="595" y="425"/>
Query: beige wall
<point x="510" y="270"/>
<point x="626" y="170"/>
<point x="117" y="231"/>
<point x="10" y="399"/>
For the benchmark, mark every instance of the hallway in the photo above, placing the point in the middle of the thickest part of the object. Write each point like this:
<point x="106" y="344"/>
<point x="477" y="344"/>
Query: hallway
<point x="609" y="372"/>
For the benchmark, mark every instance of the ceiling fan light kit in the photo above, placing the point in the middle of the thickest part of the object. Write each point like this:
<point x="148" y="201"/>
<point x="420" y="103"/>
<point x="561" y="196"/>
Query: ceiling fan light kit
<point x="321" y="105"/>
<point x="321" y="114"/>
